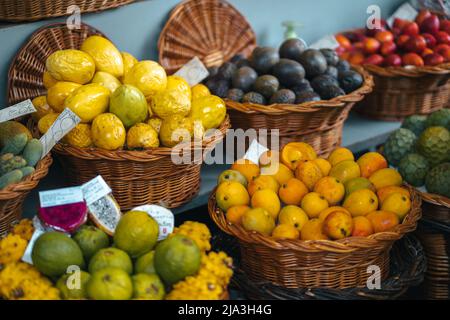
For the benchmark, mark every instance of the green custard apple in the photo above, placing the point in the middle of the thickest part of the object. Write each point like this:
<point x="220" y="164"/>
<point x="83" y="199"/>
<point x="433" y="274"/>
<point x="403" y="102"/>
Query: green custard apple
<point x="414" y="168"/>
<point x="399" y="144"/>
<point x="434" y="144"/>
<point x="437" y="180"/>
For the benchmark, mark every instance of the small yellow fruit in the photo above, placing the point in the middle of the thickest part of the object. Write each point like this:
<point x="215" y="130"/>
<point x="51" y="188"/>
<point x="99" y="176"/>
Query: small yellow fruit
<point x="338" y="225"/>
<point x="155" y="123"/>
<point x="128" y="61"/>
<point x="247" y="168"/>
<point x="80" y="136"/>
<point x="199" y="91"/>
<point x="175" y="99"/>
<point x="48" y="80"/>
<point x="285" y="231"/>
<point x="105" y="54"/>
<point x="41" y="106"/>
<point x="371" y="162"/>
<point x="339" y="155"/>
<point x="308" y="152"/>
<point x="312" y="230"/>
<point x="291" y="156"/>
<point x="235" y="213"/>
<point x="345" y="170"/>
<point x="331" y="189"/>
<point x="46" y="122"/>
<point x="142" y="135"/>
<point x="309" y="173"/>
<point x="386" y="177"/>
<point x="313" y="204"/>
<point x="148" y="76"/>
<point x="107" y="80"/>
<point x="397" y="203"/>
<point x="209" y="110"/>
<point x="293" y="191"/>
<point x="71" y="65"/>
<point x="294" y="216"/>
<point x="230" y="194"/>
<point x="263" y="182"/>
<point x="108" y="132"/>
<point x="268" y="200"/>
<point x="88" y="101"/>
<point x="258" y="220"/>
<point x="383" y="193"/>
<point x="279" y="171"/>
<point x="324" y="165"/>
<point x="324" y="214"/>
<point x="58" y="93"/>
<point x="361" y="202"/>
<point x="175" y="130"/>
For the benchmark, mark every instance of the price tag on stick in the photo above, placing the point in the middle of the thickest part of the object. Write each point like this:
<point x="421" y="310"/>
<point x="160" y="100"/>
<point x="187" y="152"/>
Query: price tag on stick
<point x="66" y="121"/>
<point x="193" y="72"/>
<point x="17" y="110"/>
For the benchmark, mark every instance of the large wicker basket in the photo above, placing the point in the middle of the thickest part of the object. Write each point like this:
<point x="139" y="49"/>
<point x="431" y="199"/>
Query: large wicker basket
<point x="315" y="263"/>
<point x="212" y="30"/>
<point x="29" y="10"/>
<point x="400" y="92"/>
<point x="13" y="196"/>
<point x="318" y="123"/>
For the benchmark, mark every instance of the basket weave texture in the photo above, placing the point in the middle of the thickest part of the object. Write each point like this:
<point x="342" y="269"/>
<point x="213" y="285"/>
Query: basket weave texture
<point x="338" y="264"/>
<point x="318" y="123"/>
<point x="30" y="10"/>
<point x="212" y="30"/>
<point x="13" y="196"/>
<point x="400" y="92"/>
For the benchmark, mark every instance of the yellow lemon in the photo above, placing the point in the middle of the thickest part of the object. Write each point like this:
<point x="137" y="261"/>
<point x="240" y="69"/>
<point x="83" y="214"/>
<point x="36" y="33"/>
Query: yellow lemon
<point x="313" y="204"/>
<point x="199" y="91"/>
<point x="398" y="203"/>
<point x="46" y="122"/>
<point x="294" y="216"/>
<point x="345" y="171"/>
<point x="258" y="220"/>
<point x="108" y="132"/>
<point x="230" y="194"/>
<point x="148" y="76"/>
<point x="58" y="93"/>
<point x="80" y="136"/>
<point x="385" y="178"/>
<point x="106" y="56"/>
<point x="71" y="65"/>
<point x="142" y="135"/>
<point x="175" y="99"/>
<point x="210" y="110"/>
<point x="268" y="200"/>
<point x="361" y="202"/>
<point x="339" y="155"/>
<point x="285" y="231"/>
<point x="107" y="80"/>
<point x="88" y="101"/>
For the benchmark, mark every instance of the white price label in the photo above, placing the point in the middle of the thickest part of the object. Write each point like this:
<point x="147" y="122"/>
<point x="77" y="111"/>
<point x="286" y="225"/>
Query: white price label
<point x="95" y="189"/>
<point x="164" y="217"/>
<point x="193" y="72"/>
<point x="59" y="197"/>
<point x="406" y="12"/>
<point x="327" y="42"/>
<point x="17" y="110"/>
<point x="65" y="122"/>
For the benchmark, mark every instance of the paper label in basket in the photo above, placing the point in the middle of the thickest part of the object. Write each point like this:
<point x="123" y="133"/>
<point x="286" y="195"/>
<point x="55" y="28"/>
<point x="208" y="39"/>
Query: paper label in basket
<point x="193" y="72"/>
<point x="327" y="42"/>
<point x="95" y="189"/>
<point x="65" y="122"/>
<point x="164" y="217"/>
<point x="17" y="110"/>
<point x="59" y="197"/>
<point x="255" y="151"/>
<point x="406" y="12"/>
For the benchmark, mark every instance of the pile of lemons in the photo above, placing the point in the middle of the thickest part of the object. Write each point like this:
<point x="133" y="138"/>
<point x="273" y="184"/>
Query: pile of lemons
<point x="123" y="102"/>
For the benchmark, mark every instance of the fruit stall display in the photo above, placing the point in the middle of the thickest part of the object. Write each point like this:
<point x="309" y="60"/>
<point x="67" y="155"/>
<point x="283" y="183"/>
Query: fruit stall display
<point x="131" y="112"/>
<point x="266" y="88"/>
<point x="410" y="63"/>
<point x="131" y="264"/>
<point x="421" y="149"/>
<point x="305" y="222"/>
<point x="21" y="169"/>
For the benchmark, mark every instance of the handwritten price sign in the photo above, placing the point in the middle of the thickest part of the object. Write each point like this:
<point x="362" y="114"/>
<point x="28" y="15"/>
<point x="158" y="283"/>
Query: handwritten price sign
<point x="17" y="110"/>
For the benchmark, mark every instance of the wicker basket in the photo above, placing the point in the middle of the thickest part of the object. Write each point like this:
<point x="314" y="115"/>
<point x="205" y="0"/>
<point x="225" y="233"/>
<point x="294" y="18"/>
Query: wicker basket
<point x="13" y="196"/>
<point x="27" y="67"/>
<point x="318" y="123"/>
<point x="338" y="264"/>
<point x="212" y="30"/>
<point x="30" y="10"/>
<point x="400" y="92"/>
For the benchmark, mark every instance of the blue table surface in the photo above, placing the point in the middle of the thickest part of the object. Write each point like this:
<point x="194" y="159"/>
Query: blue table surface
<point x="359" y="134"/>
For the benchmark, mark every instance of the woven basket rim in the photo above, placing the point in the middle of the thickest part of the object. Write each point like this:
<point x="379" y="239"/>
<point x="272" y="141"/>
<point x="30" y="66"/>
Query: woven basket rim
<point x="176" y="11"/>
<point x="346" y="245"/>
<point x="152" y="154"/>
<point x="312" y="106"/>
<point x="30" y="39"/>
<point x="29" y="183"/>
<point x="434" y="198"/>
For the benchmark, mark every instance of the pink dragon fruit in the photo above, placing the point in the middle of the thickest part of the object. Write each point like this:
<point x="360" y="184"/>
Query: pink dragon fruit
<point x="65" y="218"/>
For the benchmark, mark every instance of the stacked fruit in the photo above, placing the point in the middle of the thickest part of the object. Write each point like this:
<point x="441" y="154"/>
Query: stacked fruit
<point x="136" y="266"/>
<point x="293" y="74"/>
<point x="123" y="102"/>
<point x="19" y="153"/>
<point x="332" y="198"/>
<point x="424" y="41"/>
<point x="421" y="151"/>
